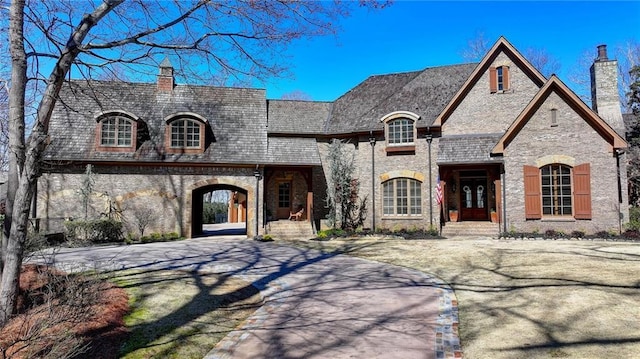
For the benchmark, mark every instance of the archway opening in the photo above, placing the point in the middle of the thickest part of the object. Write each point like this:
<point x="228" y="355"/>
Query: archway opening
<point x="219" y="210"/>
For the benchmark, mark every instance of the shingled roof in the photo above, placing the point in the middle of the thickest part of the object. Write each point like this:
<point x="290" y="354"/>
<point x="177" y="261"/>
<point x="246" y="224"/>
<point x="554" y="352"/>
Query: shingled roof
<point x="236" y="116"/>
<point x="425" y="93"/>
<point x="459" y="149"/>
<point x="240" y="119"/>
<point x="297" y="117"/>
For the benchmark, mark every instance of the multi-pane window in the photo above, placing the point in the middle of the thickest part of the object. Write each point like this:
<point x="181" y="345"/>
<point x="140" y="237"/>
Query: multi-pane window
<point x="500" y="78"/>
<point x="284" y="195"/>
<point x="556" y="190"/>
<point x="402" y="197"/>
<point x="116" y="131"/>
<point x="185" y="133"/>
<point x="400" y="131"/>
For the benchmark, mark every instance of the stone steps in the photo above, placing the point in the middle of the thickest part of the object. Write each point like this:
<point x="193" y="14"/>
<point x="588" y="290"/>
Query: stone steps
<point x="286" y="229"/>
<point x="471" y="229"/>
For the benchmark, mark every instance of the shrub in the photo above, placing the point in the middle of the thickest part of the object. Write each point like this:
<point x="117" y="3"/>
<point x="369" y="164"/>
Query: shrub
<point x="577" y="234"/>
<point x="95" y="231"/>
<point x="161" y="237"/>
<point x="631" y="234"/>
<point x="331" y="233"/>
<point x="433" y="231"/>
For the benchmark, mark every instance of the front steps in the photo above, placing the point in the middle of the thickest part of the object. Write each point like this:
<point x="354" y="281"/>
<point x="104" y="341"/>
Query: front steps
<point x="470" y="229"/>
<point x="286" y="229"/>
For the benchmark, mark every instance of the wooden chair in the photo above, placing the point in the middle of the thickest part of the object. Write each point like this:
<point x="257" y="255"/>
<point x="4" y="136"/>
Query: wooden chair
<point x="297" y="215"/>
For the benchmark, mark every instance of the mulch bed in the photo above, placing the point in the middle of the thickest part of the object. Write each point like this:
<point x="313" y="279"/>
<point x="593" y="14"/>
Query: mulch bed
<point x="44" y="320"/>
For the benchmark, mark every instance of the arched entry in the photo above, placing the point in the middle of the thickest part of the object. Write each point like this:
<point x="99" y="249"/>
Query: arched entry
<point x="233" y="222"/>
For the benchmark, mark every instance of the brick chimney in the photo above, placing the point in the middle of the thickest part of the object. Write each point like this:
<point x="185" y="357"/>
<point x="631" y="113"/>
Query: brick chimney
<point x="605" y="99"/>
<point x="165" y="77"/>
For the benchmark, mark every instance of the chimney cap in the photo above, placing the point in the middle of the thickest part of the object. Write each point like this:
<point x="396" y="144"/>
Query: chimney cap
<point x="602" y="53"/>
<point x="166" y="62"/>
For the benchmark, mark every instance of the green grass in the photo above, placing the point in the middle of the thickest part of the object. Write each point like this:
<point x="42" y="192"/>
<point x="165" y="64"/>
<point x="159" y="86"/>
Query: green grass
<point x="177" y="314"/>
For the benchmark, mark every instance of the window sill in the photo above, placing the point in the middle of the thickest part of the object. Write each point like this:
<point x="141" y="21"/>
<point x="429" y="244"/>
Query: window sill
<point x="115" y="149"/>
<point x="558" y="219"/>
<point x="188" y="151"/>
<point x="406" y="149"/>
<point x="403" y="217"/>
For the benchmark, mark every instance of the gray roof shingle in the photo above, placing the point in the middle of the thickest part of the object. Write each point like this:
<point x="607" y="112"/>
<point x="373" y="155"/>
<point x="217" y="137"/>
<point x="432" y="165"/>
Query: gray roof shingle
<point x="236" y="116"/>
<point x="425" y="93"/>
<point x="467" y="149"/>
<point x="240" y="119"/>
<point x="293" y="151"/>
<point x="297" y="117"/>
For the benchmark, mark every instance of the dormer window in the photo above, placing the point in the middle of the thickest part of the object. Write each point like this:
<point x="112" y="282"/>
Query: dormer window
<point x="400" y="132"/>
<point x="499" y="79"/>
<point x="116" y="133"/>
<point x="185" y="134"/>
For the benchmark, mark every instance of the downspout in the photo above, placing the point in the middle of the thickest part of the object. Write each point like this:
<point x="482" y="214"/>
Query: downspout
<point x="618" y="153"/>
<point x="504" y="201"/>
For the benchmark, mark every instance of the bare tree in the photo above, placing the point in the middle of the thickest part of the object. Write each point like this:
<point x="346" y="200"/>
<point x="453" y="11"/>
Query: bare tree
<point x="296" y="95"/>
<point x="4" y="125"/>
<point x="476" y="48"/>
<point x="51" y="39"/>
<point x="627" y="55"/>
<point x="543" y="61"/>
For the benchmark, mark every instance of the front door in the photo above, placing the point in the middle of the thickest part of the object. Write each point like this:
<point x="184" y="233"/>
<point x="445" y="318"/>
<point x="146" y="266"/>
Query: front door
<point x="284" y="200"/>
<point x="473" y="199"/>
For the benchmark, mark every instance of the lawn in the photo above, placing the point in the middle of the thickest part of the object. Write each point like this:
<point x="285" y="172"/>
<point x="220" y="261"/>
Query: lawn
<point x="527" y="299"/>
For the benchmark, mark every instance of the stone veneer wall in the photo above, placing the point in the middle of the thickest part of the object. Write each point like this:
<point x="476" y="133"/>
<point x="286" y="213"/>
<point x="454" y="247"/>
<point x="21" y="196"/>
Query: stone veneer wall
<point x="391" y="166"/>
<point x="483" y="112"/>
<point x="574" y="140"/>
<point x="165" y="191"/>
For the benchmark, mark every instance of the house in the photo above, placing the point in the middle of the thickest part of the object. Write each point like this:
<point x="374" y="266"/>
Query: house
<point x="508" y="149"/>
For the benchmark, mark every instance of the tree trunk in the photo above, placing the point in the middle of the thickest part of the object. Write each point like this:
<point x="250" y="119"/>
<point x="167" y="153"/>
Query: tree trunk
<point x="8" y="260"/>
<point x="27" y="166"/>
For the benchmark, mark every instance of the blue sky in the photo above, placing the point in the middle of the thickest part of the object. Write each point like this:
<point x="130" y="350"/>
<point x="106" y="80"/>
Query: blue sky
<point x="413" y="35"/>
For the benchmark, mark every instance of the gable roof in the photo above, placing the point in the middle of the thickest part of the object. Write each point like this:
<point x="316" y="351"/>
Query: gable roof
<point x="501" y="46"/>
<point x="236" y="116"/>
<point x="555" y="85"/>
<point x="424" y="92"/>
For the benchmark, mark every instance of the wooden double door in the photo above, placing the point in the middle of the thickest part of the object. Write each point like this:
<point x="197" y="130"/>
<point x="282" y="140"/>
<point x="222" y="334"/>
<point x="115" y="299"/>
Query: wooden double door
<point x="473" y="199"/>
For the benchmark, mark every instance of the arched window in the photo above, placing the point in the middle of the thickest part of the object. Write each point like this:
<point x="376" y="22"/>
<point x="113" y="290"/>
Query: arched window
<point x="185" y="135"/>
<point x="402" y="197"/>
<point x="116" y="132"/>
<point x="556" y="190"/>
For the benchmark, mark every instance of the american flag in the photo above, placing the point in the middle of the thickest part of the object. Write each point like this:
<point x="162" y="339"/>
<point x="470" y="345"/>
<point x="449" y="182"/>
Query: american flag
<point x="438" y="190"/>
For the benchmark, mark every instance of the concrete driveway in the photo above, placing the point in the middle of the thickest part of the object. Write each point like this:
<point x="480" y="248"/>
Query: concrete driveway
<point x="317" y="305"/>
